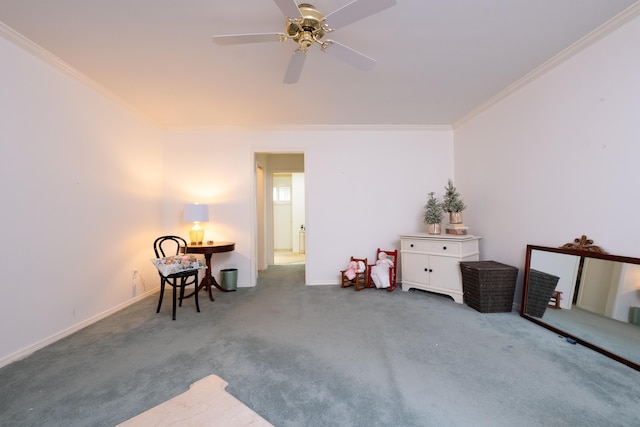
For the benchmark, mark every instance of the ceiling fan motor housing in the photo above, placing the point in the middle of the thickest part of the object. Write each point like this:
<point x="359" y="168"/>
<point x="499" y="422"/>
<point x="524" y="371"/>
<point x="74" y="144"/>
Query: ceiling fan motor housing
<point x="306" y="26"/>
<point x="309" y="27"/>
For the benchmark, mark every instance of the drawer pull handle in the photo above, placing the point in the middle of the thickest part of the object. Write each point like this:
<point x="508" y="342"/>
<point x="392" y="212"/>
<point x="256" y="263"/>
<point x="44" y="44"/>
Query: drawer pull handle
<point x="412" y="245"/>
<point x="444" y="248"/>
<point x="428" y="270"/>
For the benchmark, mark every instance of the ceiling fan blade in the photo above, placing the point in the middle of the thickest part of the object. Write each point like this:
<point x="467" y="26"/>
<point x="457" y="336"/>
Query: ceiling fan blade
<point x="246" y="38"/>
<point x="350" y="56"/>
<point x="355" y="11"/>
<point x="289" y="8"/>
<point x="295" y="67"/>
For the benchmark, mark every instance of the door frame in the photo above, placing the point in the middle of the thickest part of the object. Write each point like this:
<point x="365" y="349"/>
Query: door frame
<point x="263" y="251"/>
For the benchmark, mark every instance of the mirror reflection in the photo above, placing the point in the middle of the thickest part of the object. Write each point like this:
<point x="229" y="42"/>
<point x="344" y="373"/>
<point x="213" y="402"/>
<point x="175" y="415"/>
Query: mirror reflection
<point x="591" y="297"/>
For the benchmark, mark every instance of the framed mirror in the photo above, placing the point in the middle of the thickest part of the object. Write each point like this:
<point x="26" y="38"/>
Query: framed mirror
<point x="586" y="295"/>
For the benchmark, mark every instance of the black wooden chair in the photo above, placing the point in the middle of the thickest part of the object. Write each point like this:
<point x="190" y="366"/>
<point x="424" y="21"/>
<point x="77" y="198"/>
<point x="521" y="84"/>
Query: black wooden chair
<point x="166" y="246"/>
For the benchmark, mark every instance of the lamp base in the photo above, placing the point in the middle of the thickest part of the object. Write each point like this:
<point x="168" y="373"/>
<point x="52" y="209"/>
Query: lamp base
<point x="196" y="234"/>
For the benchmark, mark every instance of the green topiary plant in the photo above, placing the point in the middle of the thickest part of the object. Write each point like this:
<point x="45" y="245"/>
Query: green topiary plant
<point x="433" y="210"/>
<point x="452" y="201"/>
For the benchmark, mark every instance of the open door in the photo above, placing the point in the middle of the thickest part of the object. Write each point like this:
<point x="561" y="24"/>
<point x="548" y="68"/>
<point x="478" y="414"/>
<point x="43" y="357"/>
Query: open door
<point x="260" y="215"/>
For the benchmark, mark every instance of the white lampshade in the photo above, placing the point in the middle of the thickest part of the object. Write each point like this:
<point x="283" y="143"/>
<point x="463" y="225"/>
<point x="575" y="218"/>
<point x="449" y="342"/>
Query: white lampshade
<point x="196" y="213"/>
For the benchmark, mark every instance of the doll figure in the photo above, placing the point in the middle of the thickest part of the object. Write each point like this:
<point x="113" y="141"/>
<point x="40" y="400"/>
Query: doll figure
<point x="352" y="268"/>
<point x="380" y="271"/>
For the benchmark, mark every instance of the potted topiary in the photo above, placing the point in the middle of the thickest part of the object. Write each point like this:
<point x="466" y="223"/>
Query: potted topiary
<point x="433" y="214"/>
<point x="453" y="203"/>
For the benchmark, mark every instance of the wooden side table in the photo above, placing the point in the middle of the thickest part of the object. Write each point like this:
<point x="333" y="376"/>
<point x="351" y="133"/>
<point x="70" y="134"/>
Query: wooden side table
<point x="208" y="250"/>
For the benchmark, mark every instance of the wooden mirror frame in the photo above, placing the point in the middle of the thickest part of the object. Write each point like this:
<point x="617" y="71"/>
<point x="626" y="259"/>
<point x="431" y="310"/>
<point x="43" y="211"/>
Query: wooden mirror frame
<point x="579" y="250"/>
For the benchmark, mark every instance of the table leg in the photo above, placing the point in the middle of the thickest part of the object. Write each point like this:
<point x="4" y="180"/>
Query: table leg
<point x="204" y="283"/>
<point x="213" y="281"/>
<point x="209" y="280"/>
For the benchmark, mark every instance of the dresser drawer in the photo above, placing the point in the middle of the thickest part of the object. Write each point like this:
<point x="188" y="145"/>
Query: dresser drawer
<point x="431" y="246"/>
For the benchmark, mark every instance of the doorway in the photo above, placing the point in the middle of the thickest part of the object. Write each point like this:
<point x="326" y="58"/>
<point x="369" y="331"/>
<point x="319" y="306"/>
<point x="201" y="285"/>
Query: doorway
<point x="289" y="232"/>
<point x="280" y="209"/>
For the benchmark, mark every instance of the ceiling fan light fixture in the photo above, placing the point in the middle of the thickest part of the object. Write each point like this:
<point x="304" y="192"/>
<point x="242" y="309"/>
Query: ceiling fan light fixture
<point x="306" y="40"/>
<point x="307" y="29"/>
<point x="309" y="26"/>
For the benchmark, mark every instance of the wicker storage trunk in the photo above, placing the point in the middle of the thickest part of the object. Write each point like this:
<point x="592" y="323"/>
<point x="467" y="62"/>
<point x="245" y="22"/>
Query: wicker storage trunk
<point x="488" y="286"/>
<point x="539" y="290"/>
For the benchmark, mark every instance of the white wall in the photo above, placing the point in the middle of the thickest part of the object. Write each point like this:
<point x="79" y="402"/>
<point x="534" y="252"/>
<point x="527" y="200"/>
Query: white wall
<point x="559" y="158"/>
<point x="81" y="194"/>
<point x="627" y="293"/>
<point x="363" y="188"/>
<point x="564" y="266"/>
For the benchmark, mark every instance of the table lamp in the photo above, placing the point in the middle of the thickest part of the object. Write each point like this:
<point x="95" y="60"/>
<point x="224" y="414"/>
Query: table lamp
<point x="196" y="213"/>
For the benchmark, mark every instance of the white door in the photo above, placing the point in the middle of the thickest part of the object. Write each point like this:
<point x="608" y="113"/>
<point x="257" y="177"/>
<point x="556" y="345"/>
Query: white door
<point x="260" y="205"/>
<point x="282" y="212"/>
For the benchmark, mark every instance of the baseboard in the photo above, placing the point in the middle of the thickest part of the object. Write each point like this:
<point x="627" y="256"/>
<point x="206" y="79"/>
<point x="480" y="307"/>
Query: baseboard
<point x="27" y="351"/>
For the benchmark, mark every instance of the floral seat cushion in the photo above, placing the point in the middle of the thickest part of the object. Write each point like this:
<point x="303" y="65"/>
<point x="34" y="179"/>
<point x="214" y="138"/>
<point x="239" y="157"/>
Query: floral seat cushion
<point x="177" y="264"/>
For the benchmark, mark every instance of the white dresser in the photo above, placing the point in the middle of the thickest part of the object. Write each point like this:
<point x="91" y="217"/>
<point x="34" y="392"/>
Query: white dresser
<point x="432" y="262"/>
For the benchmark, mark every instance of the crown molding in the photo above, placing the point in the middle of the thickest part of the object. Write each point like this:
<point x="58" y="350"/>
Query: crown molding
<point x="39" y="52"/>
<point x="315" y="127"/>
<point x="599" y="33"/>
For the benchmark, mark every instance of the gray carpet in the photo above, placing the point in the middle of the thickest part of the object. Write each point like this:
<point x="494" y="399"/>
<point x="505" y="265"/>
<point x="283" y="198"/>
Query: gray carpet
<point x="622" y="338"/>
<point x="323" y="356"/>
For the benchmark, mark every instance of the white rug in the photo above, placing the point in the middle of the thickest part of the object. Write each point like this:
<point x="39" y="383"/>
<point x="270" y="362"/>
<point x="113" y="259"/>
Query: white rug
<point x="206" y="403"/>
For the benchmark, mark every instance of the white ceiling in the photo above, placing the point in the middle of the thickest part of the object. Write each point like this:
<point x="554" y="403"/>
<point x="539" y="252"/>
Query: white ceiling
<point x="437" y="60"/>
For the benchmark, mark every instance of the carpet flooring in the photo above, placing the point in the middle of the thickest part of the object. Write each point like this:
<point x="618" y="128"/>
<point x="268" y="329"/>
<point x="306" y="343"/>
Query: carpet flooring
<point x="287" y="258"/>
<point x="323" y="356"/>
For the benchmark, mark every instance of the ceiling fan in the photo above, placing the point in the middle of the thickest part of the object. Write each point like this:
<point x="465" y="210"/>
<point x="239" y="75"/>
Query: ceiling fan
<point x="306" y="25"/>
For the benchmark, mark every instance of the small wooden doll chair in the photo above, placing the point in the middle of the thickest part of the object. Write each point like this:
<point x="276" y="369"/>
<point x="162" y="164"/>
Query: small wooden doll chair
<point x="393" y="256"/>
<point x="359" y="281"/>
